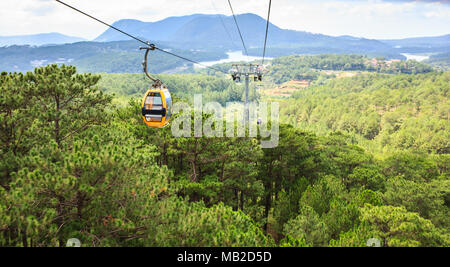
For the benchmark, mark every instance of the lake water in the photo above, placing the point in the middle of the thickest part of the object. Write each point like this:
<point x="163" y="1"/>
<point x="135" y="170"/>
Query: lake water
<point x="415" y="57"/>
<point x="232" y="57"/>
<point x="236" y="56"/>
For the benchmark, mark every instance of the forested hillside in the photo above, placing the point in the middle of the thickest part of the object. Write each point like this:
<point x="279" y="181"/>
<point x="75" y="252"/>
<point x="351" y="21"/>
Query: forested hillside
<point x="397" y="112"/>
<point x="441" y="60"/>
<point x="73" y="165"/>
<point x="383" y="112"/>
<point x="66" y="172"/>
<point x="111" y="57"/>
<point x="184" y="86"/>
<point x="308" y="67"/>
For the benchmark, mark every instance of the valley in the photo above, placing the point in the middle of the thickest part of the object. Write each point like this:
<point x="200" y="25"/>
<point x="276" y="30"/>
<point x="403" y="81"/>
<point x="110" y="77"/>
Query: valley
<point x="211" y="47"/>
<point x="93" y="151"/>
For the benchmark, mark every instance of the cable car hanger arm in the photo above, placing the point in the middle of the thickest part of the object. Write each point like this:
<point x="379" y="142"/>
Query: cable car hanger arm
<point x="150" y="47"/>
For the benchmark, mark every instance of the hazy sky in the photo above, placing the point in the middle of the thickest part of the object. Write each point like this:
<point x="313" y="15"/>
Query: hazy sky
<point x="362" y="18"/>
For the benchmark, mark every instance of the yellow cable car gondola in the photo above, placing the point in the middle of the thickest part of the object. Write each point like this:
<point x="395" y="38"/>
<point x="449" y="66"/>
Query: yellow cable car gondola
<point x="156" y="107"/>
<point x="157" y="102"/>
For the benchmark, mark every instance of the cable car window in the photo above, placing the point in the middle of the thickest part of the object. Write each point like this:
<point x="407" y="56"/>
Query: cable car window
<point x="169" y="104"/>
<point x="153" y="99"/>
<point x="153" y="118"/>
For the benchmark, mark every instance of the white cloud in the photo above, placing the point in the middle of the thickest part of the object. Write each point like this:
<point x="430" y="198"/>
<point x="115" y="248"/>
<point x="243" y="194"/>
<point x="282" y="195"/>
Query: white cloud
<point x="442" y="14"/>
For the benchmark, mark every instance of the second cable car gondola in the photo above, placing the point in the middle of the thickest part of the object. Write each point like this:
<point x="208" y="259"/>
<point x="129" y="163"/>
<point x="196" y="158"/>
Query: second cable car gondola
<point x="157" y="102"/>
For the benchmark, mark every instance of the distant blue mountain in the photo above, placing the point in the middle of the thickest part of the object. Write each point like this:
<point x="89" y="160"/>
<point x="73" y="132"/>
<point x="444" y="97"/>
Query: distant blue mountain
<point x="435" y="41"/>
<point x="218" y="31"/>
<point x="38" y="39"/>
<point x="199" y="37"/>
<point x="160" y="30"/>
<point x="439" y="44"/>
<point x="116" y="57"/>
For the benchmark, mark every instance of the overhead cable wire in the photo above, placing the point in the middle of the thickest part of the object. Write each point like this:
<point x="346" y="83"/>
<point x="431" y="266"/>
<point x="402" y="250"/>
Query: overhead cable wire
<point x="239" y="30"/>
<point x="129" y="35"/>
<point x="223" y="24"/>
<point x="267" y="31"/>
<point x="137" y="39"/>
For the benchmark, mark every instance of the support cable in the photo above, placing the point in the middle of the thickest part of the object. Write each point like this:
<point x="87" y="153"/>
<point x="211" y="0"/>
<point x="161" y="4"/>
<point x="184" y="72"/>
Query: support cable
<point x="239" y="30"/>
<point x="267" y="31"/>
<point x="223" y="24"/>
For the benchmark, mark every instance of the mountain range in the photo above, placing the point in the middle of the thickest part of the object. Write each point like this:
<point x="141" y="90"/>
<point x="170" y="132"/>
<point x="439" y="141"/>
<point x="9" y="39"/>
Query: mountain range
<point x="426" y="42"/>
<point x="218" y="31"/>
<point x="440" y="44"/>
<point x="205" y="37"/>
<point x="39" y="39"/>
<point x="200" y="31"/>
